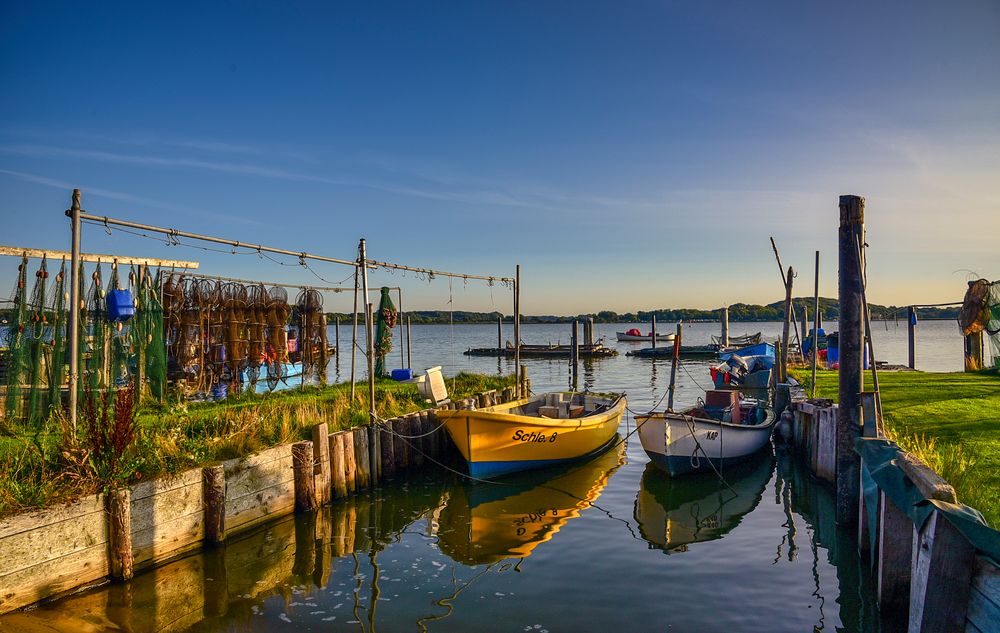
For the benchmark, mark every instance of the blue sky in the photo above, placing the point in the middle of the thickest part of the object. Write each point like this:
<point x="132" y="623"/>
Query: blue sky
<point x="627" y="155"/>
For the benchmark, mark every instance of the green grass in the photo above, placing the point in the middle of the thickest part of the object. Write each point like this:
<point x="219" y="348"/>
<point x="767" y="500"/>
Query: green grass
<point x="43" y="466"/>
<point x="951" y="421"/>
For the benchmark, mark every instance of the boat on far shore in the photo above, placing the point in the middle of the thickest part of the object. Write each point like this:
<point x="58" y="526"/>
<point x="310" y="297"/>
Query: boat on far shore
<point x="636" y="335"/>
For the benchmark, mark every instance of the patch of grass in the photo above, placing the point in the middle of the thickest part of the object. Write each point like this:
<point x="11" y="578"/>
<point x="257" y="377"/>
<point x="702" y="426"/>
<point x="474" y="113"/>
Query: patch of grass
<point x="42" y="466"/>
<point x="951" y="421"/>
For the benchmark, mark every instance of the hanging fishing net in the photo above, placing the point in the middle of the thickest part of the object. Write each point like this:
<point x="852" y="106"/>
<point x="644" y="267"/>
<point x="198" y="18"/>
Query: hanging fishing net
<point x="981" y="313"/>
<point x="386" y="320"/>
<point x="312" y="342"/>
<point x="16" y="356"/>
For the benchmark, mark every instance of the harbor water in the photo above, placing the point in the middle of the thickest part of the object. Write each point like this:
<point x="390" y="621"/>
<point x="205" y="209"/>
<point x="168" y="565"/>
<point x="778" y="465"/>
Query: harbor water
<point x="601" y="545"/>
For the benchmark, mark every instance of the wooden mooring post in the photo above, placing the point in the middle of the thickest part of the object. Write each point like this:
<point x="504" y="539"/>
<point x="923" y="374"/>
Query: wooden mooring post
<point x="305" y="477"/>
<point x="851" y="233"/>
<point x="338" y="465"/>
<point x="783" y="358"/>
<point x="911" y="324"/>
<point x="724" y="334"/>
<point x="575" y="354"/>
<point x="214" y="498"/>
<point x="120" y="533"/>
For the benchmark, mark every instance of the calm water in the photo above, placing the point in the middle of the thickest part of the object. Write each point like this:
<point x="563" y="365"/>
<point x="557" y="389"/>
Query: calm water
<point x="606" y="544"/>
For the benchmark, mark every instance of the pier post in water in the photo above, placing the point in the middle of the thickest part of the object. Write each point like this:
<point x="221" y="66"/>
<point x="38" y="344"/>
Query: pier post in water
<point x="120" y="532"/>
<point x="911" y="339"/>
<point x="214" y="492"/>
<point x="305" y="477"/>
<point x="338" y="467"/>
<point x="724" y="334"/>
<point x="851" y="233"/>
<point x="652" y="329"/>
<point x="575" y="353"/>
<point x="321" y="458"/>
<point x="500" y="332"/>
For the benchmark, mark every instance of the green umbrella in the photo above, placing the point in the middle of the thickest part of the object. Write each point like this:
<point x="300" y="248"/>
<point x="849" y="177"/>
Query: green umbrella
<point x="383" y="332"/>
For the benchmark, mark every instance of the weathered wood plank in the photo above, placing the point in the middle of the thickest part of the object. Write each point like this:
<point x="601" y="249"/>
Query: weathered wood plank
<point x="942" y="578"/>
<point x="168" y="539"/>
<point x="361" y="458"/>
<point x="350" y="465"/>
<point x="252" y="480"/>
<point x="52" y="542"/>
<point x="338" y="467"/>
<point x="388" y="454"/>
<point x="984" y="600"/>
<point x="52" y="577"/>
<point x="265" y="505"/>
<point x="234" y="466"/>
<point x="321" y="456"/>
<point x="895" y="555"/>
<point x="162" y="485"/>
<point x="92" y="504"/>
<point x="161" y="508"/>
<point x="930" y="484"/>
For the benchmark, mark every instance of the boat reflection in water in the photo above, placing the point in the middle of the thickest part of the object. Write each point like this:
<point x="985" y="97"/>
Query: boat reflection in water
<point x="485" y="523"/>
<point x="673" y="513"/>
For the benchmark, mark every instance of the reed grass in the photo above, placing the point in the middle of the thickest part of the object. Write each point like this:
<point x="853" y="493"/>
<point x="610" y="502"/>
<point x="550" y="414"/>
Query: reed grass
<point x="951" y="421"/>
<point x="42" y="466"/>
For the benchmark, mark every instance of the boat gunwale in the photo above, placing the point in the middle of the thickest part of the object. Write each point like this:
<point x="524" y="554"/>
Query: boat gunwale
<point x="616" y="407"/>
<point x="680" y="417"/>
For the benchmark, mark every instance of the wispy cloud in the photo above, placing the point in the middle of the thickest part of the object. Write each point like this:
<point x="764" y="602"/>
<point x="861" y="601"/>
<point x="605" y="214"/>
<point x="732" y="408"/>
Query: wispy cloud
<point x="111" y="194"/>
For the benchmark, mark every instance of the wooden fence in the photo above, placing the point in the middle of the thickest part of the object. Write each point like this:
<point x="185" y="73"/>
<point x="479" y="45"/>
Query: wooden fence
<point x="57" y="550"/>
<point x="928" y="576"/>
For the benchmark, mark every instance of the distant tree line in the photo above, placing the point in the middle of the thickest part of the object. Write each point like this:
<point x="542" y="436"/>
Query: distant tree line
<point x="829" y="309"/>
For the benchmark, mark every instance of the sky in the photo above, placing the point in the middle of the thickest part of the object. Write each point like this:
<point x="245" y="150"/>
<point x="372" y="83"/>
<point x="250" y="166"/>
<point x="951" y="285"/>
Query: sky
<point x="627" y="156"/>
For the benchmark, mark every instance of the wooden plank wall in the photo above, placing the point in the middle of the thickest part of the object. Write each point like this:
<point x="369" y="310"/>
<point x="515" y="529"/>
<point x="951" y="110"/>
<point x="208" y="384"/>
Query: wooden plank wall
<point x="259" y="488"/>
<point x="51" y="551"/>
<point x="168" y="517"/>
<point x="46" y="553"/>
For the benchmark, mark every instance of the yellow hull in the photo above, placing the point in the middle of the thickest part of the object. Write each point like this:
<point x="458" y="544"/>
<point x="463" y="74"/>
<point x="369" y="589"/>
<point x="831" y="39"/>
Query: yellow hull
<point x="502" y="439"/>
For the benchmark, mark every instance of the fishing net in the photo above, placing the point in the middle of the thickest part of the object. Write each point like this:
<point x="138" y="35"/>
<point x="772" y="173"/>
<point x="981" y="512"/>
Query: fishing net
<point x="992" y="323"/>
<point x="148" y="336"/>
<point x="312" y="334"/>
<point x="383" y="333"/>
<point x="57" y="359"/>
<point x="17" y="354"/>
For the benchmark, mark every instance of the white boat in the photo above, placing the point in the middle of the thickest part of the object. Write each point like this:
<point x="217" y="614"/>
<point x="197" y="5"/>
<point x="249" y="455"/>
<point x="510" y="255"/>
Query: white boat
<point x="719" y="432"/>
<point x="635" y="335"/>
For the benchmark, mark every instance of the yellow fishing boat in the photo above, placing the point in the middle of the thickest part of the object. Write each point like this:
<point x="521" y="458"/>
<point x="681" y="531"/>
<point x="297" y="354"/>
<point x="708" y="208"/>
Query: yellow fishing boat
<point x="533" y="432"/>
<point x="482" y="524"/>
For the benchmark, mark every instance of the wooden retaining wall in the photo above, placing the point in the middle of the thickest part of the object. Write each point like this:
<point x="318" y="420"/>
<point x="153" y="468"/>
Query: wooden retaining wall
<point x="927" y="577"/>
<point x="57" y="550"/>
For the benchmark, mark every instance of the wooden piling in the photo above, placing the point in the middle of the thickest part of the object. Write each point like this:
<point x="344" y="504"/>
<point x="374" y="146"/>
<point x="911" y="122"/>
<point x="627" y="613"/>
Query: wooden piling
<point x="305" y="478"/>
<point x="350" y="463"/>
<point x="500" y="331"/>
<point x="974" y="351"/>
<point x="338" y="468"/>
<point x="911" y="324"/>
<point x="816" y="324"/>
<point x="321" y="457"/>
<point x="575" y="355"/>
<point x="400" y="429"/>
<point x="674" y="360"/>
<point x="724" y="334"/>
<point x="336" y="334"/>
<point x="652" y="329"/>
<point x="388" y="454"/>
<point x="120" y="533"/>
<point x="362" y="459"/>
<point x="374" y="456"/>
<point x="214" y="499"/>
<point x="851" y="233"/>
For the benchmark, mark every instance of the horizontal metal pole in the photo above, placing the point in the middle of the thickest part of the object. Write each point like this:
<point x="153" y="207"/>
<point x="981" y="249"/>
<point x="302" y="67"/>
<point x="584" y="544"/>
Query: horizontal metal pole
<point x="109" y="221"/>
<point x="38" y="253"/>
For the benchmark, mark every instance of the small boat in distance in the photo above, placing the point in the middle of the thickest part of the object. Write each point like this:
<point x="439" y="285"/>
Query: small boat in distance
<point x="635" y="335"/>
<point x="534" y="432"/>
<point x="721" y="430"/>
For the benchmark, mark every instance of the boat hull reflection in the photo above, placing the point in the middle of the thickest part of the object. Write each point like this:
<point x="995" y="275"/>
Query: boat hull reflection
<point x="487" y="522"/>
<point x="674" y="513"/>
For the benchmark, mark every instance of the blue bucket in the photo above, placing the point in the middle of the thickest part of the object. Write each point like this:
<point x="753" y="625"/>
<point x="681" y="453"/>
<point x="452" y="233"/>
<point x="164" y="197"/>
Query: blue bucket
<point x="120" y="305"/>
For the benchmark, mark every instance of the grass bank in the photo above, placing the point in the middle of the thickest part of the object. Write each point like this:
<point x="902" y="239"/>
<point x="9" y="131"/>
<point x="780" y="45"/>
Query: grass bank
<point x="951" y="421"/>
<point x="42" y="466"/>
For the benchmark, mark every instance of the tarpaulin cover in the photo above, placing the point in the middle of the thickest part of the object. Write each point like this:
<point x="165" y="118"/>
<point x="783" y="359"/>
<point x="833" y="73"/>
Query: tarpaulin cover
<point x="880" y="464"/>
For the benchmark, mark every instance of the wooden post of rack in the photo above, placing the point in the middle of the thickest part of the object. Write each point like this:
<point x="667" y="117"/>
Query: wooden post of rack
<point x="911" y="325"/>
